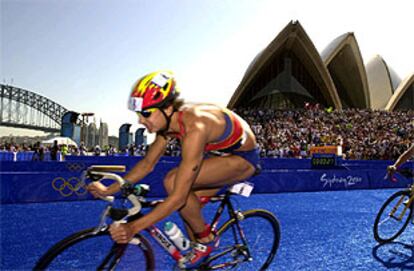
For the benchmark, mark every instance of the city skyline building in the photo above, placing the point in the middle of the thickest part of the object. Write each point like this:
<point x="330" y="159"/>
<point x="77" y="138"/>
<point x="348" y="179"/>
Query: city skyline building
<point x="103" y="134"/>
<point x="91" y="135"/>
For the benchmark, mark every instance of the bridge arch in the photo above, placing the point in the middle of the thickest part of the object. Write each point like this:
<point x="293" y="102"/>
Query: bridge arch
<point x="20" y="108"/>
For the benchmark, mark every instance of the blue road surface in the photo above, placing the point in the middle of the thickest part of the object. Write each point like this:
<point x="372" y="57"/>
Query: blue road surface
<point x="320" y="231"/>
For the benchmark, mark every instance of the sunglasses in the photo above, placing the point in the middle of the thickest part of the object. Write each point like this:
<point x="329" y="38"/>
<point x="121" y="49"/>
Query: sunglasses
<point x="146" y="113"/>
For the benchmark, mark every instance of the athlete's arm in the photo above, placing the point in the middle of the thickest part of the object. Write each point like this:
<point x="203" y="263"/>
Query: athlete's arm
<point x="147" y="164"/>
<point x="192" y="157"/>
<point x="138" y="172"/>
<point x="400" y="160"/>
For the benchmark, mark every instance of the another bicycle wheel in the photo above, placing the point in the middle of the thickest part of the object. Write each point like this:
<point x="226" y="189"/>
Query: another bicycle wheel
<point x="259" y="229"/>
<point x="87" y="250"/>
<point x="393" y="217"/>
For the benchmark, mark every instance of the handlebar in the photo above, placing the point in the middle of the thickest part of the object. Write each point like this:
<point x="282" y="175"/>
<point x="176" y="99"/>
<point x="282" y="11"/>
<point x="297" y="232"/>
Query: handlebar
<point x="133" y="194"/>
<point x="109" y="168"/>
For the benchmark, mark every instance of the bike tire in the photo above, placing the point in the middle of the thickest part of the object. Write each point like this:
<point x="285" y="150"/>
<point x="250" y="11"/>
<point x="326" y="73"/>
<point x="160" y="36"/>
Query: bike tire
<point x="255" y="224"/>
<point x="67" y="254"/>
<point x="388" y="233"/>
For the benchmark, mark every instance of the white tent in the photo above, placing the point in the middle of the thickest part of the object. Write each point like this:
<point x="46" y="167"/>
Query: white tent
<point x="60" y="141"/>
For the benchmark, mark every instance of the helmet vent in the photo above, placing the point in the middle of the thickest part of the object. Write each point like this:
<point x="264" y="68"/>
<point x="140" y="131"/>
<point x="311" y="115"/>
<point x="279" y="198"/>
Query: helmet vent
<point x="157" y="95"/>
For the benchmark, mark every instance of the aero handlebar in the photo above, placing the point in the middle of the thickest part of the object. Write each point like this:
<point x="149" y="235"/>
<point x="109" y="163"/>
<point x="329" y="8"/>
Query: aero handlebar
<point x="99" y="173"/>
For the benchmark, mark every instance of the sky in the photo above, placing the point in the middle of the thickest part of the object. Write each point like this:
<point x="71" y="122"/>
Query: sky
<point x="87" y="54"/>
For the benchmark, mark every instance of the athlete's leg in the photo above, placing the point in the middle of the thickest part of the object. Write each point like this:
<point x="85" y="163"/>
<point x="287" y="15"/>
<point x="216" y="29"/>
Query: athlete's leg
<point x="169" y="186"/>
<point x="215" y="172"/>
<point x="200" y="193"/>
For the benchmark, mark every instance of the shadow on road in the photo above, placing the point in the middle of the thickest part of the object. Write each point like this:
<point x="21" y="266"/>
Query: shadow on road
<point x="398" y="255"/>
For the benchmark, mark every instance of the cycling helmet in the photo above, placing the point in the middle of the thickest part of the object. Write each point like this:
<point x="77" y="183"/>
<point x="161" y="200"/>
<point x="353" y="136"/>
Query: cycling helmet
<point x="154" y="90"/>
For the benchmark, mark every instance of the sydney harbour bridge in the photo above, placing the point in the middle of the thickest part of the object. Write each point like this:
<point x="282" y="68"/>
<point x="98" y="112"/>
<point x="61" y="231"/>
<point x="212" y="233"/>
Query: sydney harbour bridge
<point x="20" y="108"/>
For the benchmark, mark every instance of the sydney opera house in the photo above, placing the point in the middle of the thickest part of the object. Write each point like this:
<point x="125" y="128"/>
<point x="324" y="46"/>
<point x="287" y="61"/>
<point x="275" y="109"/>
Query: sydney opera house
<point x="290" y="72"/>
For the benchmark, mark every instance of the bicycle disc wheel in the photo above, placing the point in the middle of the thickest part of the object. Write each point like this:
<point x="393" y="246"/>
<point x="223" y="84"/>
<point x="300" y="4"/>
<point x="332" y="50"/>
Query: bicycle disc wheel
<point x="87" y="250"/>
<point x="393" y="217"/>
<point x="261" y="232"/>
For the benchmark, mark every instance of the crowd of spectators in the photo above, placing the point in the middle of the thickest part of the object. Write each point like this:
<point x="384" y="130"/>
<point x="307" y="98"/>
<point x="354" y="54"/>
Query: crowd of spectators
<point x="55" y="151"/>
<point x="173" y="149"/>
<point x="40" y="151"/>
<point x="362" y="134"/>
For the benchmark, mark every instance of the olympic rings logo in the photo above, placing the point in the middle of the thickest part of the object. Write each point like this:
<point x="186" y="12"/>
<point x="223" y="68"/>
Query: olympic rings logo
<point x="75" y="166"/>
<point x="68" y="187"/>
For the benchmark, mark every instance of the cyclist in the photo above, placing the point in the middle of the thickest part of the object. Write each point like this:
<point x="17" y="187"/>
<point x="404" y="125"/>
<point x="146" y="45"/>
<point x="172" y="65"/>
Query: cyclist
<point x="201" y="128"/>
<point x="401" y="159"/>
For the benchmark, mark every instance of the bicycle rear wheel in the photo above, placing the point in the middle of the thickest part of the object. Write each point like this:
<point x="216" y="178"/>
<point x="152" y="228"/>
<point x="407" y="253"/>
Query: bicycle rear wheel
<point x="87" y="250"/>
<point x="259" y="229"/>
<point x="393" y="217"/>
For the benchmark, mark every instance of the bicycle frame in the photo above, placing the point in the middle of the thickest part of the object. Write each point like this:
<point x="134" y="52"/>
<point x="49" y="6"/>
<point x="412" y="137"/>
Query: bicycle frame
<point x="392" y="218"/>
<point x="234" y="251"/>
<point x="169" y="247"/>
<point x="225" y="202"/>
<point x="175" y="253"/>
<point x="154" y="231"/>
<point x="406" y="205"/>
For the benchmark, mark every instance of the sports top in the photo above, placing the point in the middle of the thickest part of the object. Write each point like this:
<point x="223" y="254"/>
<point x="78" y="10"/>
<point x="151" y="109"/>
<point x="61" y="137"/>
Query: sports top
<point x="231" y="139"/>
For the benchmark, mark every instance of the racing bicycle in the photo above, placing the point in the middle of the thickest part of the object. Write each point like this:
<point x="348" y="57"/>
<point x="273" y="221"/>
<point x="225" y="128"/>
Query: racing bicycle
<point x="249" y="239"/>
<point x="396" y="212"/>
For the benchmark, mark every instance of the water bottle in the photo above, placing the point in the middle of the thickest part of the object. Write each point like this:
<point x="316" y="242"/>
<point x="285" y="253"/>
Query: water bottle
<point x="176" y="236"/>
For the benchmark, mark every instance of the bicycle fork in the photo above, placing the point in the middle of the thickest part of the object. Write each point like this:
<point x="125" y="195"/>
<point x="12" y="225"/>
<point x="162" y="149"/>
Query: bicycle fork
<point x="406" y="204"/>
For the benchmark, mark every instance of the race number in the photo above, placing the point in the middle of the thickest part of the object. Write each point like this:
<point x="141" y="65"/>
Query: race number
<point x="244" y="189"/>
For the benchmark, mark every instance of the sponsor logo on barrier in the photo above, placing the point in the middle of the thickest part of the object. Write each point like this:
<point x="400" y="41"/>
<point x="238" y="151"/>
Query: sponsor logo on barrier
<point x="75" y="166"/>
<point x="346" y="181"/>
<point x="70" y="186"/>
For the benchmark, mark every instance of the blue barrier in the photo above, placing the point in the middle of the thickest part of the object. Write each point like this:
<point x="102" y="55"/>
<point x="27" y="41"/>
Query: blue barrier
<point x="24" y="156"/>
<point x="36" y="181"/>
<point x="6" y="156"/>
<point x="309" y="180"/>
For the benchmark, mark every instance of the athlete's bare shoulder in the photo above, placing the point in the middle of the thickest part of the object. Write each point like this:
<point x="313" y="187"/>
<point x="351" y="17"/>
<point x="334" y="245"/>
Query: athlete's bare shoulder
<point x="208" y="118"/>
<point x="201" y="110"/>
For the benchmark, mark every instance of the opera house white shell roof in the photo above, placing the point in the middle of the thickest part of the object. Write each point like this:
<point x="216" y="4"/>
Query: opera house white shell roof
<point x="290" y="71"/>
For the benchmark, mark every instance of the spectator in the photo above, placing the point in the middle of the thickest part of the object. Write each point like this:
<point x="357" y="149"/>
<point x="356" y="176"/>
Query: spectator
<point x="64" y="150"/>
<point x="110" y="151"/>
<point x="38" y="154"/>
<point x="54" y="151"/>
<point x="82" y="149"/>
<point x="131" y="150"/>
<point x="97" y="150"/>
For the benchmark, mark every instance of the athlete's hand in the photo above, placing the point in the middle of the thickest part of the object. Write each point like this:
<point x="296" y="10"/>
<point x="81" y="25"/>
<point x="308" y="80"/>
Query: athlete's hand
<point x="391" y="170"/>
<point x="390" y="173"/>
<point x="97" y="189"/>
<point x="121" y="233"/>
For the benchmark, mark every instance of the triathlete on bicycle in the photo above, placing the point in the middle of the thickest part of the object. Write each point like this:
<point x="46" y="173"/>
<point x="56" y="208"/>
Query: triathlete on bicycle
<point x="409" y="153"/>
<point x="405" y="156"/>
<point x="201" y="128"/>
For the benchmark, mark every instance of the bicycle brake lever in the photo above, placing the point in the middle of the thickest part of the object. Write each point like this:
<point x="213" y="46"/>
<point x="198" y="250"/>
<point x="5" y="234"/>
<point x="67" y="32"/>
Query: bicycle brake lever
<point x="94" y="176"/>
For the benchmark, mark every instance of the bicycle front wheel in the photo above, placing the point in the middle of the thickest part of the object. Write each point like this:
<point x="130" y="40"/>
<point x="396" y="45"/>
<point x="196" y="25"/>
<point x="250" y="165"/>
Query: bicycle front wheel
<point x="248" y="243"/>
<point x="393" y="217"/>
<point x="87" y="250"/>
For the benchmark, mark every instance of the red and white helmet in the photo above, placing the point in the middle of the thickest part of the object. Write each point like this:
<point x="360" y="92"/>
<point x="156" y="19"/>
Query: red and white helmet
<point x="154" y="90"/>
